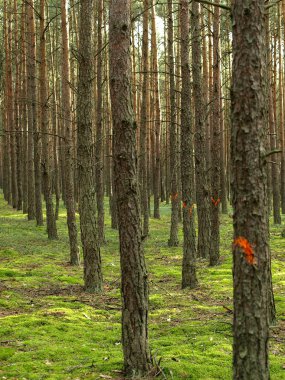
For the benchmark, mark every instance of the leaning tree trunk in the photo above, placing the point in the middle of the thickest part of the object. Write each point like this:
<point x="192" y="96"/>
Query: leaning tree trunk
<point x="251" y="253"/>
<point x="67" y="120"/>
<point x="85" y="154"/>
<point x="134" y="275"/>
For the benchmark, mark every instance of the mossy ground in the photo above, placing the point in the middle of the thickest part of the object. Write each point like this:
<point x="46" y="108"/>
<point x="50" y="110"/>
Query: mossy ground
<point x="51" y="329"/>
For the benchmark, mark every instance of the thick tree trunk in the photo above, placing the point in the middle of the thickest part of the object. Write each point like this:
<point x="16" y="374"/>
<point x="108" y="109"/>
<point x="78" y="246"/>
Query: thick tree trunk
<point x="85" y="154"/>
<point x="189" y="278"/>
<point x="251" y="254"/>
<point x="133" y="268"/>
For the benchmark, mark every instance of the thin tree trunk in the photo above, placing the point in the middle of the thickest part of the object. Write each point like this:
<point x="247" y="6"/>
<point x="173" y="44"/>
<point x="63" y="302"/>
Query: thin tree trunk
<point x="30" y="86"/>
<point x="157" y="116"/>
<point x="67" y="120"/>
<point x="143" y="172"/>
<point x="93" y="279"/>
<point x="99" y="131"/>
<point x="173" y="238"/>
<point x="189" y="278"/>
<point x="47" y="186"/>
<point x="215" y="145"/>
<point x="202" y="182"/>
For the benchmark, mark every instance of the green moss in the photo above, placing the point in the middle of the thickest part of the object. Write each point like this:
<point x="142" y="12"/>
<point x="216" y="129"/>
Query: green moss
<point x="52" y="330"/>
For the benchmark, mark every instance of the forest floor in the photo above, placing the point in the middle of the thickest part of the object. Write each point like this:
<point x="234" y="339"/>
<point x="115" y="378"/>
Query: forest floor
<point x="51" y="329"/>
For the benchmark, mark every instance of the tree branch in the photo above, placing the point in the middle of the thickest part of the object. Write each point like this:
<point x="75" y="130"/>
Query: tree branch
<point x="214" y="4"/>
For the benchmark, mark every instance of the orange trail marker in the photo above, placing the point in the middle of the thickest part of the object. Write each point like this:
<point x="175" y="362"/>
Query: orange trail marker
<point x="247" y="249"/>
<point x="215" y="202"/>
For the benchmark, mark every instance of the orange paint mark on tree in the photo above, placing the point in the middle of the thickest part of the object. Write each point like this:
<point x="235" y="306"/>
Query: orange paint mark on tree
<point x="174" y="196"/>
<point x="247" y="249"/>
<point x="191" y="209"/>
<point x="215" y="201"/>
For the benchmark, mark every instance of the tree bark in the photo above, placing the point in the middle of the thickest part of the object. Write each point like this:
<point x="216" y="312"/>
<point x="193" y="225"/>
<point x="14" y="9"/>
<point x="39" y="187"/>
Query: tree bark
<point x="47" y="186"/>
<point x="67" y="120"/>
<point x="251" y="253"/>
<point x="99" y="162"/>
<point x="189" y="278"/>
<point x="93" y="280"/>
<point x="173" y="238"/>
<point x="134" y="275"/>
<point x="215" y="145"/>
<point x="202" y="181"/>
<point x="143" y="172"/>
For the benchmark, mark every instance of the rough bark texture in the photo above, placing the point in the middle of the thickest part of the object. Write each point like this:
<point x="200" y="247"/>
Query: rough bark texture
<point x="134" y="284"/>
<point x="47" y="187"/>
<point x="173" y="238"/>
<point x="251" y="277"/>
<point x="189" y="278"/>
<point x="85" y="154"/>
<point x="202" y="182"/>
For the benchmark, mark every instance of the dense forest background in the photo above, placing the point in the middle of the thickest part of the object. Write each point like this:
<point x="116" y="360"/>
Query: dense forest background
<point x="154" y="129"/>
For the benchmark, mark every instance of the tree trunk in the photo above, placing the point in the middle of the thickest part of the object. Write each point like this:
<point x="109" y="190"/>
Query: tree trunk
<point x="173" y="239"/>
<point x="30" y="86"/>
<point x="85" y="154"/>
<point x="143" y="172"/>
<point x="99" y="162"/>
<point x="251" y="254"/>
<point x="189" y="278"/>
<point x="67" y="120"/>
<point x="215" y="145"/>
<point x="157" y="116"/>
<point x="133" y="269"/>
<point x="202" y="182"/>
<point x="47" y="188"/>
